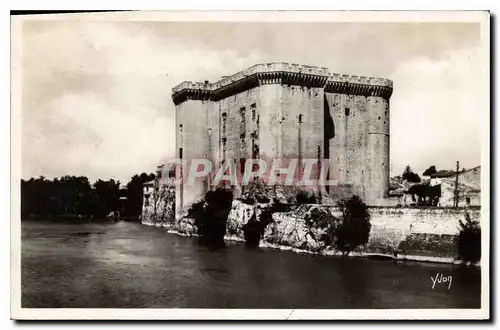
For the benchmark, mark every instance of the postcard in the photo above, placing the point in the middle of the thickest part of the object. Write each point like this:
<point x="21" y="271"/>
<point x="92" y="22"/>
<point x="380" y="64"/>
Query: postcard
<point x="294" y="165"/>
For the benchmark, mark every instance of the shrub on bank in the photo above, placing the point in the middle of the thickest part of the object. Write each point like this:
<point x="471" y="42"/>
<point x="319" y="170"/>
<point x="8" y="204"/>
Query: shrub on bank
<point x="254" y="229"/>
<point x="323" y="222"/>
<point x="255" y="191"/>
<point x="355" y="227"/>
<point x="469" y="240"/>
<point x="211" y="215"/>
<point x="306" y="197"/>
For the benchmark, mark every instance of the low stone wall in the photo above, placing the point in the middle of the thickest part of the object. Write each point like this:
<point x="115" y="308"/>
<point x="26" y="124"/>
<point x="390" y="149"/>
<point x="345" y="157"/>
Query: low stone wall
<point x="421" y="232"/>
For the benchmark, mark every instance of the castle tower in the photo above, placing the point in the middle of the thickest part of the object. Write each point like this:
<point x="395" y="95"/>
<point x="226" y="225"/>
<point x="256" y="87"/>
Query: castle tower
<point x="359" y="148"/>
<point x="192" y="117"/>
<point x="282" y="110"/>
<point x="378" y="161"/>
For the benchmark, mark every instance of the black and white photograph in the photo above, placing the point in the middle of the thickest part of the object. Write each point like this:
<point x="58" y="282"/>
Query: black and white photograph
<point x="250" y="165"/>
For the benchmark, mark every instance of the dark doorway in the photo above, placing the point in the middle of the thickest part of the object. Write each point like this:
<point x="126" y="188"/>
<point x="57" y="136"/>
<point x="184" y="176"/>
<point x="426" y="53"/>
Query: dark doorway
<point x="329" y="133"/>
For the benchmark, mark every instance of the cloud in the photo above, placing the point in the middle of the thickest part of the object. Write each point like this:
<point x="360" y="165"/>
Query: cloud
<point x="435" y="111"/>
<point x="101" y="104"/>
<point x="97" y="95"/>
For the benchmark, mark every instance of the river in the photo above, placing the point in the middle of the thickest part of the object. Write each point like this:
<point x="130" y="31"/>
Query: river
<point x="126" y="265"/>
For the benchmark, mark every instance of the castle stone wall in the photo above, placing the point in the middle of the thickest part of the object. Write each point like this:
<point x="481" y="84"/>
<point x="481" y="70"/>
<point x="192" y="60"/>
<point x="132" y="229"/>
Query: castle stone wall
<point x="285" y="110"/>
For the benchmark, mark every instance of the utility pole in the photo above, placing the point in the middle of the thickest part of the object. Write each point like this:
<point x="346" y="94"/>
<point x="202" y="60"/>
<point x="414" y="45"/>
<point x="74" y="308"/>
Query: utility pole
<point x="456" y="186"/>
<point x="319" y="174"/>
<point x="209" y="181"/>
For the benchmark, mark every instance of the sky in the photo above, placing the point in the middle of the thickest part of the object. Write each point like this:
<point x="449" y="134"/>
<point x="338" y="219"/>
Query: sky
<point x="96" y="95"/>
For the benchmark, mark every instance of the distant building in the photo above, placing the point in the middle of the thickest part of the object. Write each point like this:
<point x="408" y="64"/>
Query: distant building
<point x="148" y="188"/>
<point x="158" y="198"/>
<point x="469" y="187"/>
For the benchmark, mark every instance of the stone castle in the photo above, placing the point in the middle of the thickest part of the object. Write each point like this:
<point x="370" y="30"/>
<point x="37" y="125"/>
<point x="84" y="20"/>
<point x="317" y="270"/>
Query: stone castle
<point x="284" y="110"/>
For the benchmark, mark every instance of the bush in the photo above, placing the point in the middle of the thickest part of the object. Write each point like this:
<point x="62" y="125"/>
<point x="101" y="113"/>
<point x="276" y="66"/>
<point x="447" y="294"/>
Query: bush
<point x="305" y="197"/>
<point x="211" y="215"/>
<point x="410" y="176"/>
<point x="325" y="220"/>
<point x="197" y="210"/>
<point x="247" y="200"/>
<point x="430" y="171"/>
<point x="255" y="191"/>
<point x="355" y="227"/>
<point x="254" y="229"/>
<point x="469" y="240"/>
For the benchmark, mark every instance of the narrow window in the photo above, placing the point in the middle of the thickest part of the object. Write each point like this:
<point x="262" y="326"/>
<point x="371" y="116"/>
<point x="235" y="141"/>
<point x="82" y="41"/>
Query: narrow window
<point x="224" y="125"/>
<point x="300" y="119"/>
<point x="242" y="125"/>
<point x="256" y="150"/>
<point x="347" y="111"/>
<point x="180" y="156"/>
<point x="253" y="147"/>
<point x="242" y="165"/>
<point x="223" y="150"/>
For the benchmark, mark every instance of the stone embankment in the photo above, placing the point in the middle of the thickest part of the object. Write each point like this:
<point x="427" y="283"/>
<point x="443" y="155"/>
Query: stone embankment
<point x="423" y="234"/>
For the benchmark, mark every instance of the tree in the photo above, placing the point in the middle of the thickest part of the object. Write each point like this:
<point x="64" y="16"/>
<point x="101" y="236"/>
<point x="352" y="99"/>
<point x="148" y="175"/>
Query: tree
<point x="305" y="197"/>
<point x="68" y="195"/>
<point x="430" y="171"/>
<point x="255" y="192"/>
<point x="73" y="196"/>
<point x="210" y="216"/>
<point x="410" y="176"/>
<point x="105" y="197"/>
<point x="135" y="191"/>
<point x="323" y="219"/>
<point x="254" y="229"/>
<point x="355" y="227"/>
<point x="469" y="240"/>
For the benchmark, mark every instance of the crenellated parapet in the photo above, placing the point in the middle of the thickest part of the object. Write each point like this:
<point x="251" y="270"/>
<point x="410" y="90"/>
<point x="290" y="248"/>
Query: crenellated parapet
<point x="359" y="85"/>
<point x="284" y="74"/>
<point x="358" y="89"/>
<point x="191" y="91"/>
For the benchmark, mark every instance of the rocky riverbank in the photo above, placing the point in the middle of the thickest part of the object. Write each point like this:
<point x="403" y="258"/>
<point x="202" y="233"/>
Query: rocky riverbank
<point x="421" y="234"/>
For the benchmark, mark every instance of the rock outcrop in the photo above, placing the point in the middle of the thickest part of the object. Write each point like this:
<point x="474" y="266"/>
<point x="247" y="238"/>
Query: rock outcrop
<point x="159" y="208"/>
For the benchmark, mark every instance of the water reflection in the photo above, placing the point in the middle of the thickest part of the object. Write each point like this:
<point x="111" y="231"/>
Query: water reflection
<point x="128" y="265"/>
